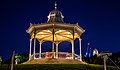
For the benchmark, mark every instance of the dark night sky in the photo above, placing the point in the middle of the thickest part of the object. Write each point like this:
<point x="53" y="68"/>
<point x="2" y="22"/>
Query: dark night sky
<point x="100" y="19"/>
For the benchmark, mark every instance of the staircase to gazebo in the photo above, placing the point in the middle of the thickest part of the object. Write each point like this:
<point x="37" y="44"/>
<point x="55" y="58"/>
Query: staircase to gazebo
<point x="46" y="57"/>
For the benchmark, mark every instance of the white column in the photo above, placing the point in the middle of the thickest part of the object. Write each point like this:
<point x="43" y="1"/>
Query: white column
<point x="53" y="54"/>
<point x="80" y="40"/>
<point x="34" y="48"/>
<point x="72" y="49"/>
<point x="30" y="49"/>
<point x="73" y="45"/>
<point x="56" y="50"/>
<point x="40" y="49"/>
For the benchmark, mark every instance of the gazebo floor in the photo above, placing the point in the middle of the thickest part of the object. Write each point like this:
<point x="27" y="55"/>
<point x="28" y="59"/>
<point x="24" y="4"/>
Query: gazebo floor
<point x="53" y="61"/>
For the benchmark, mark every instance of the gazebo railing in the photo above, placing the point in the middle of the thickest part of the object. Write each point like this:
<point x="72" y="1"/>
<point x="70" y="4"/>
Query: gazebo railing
<point x="77" y="57"/>
<point x="64" y="55"/>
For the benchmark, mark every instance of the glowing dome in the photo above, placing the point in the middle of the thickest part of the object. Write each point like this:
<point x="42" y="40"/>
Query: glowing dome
<point x="95" y="52"/>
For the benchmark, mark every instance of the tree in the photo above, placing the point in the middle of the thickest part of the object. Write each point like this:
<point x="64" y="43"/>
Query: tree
<point x="17" y="59"/>
<point x="0" y="60"/>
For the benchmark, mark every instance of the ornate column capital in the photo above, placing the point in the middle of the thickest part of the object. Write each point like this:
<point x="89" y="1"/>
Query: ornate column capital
<point x="40" y="42"/>
<point x="30" y="39"/>
<point x="80" y="39"/>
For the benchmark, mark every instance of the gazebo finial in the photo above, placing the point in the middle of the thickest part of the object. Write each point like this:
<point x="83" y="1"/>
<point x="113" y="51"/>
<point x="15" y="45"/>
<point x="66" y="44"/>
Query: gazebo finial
<point x="55" y="5"/>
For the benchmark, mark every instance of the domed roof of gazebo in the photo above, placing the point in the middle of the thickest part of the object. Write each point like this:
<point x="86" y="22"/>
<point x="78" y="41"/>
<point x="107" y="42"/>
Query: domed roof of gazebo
<point x="55" y="16"/>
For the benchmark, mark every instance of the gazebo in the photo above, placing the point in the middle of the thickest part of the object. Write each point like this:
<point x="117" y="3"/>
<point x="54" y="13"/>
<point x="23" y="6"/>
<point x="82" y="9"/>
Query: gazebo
<point x="56" y="31"/>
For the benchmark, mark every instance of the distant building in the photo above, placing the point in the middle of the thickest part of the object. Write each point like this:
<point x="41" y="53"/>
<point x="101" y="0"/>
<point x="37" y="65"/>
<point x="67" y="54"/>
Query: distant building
<point x="95" y="52"/>
<point x="88" y="51"/>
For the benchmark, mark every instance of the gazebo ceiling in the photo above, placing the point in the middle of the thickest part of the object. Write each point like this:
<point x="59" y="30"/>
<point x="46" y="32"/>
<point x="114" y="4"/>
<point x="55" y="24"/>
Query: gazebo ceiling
<point x="60" y="35"/>
<point x="62" y="31"/>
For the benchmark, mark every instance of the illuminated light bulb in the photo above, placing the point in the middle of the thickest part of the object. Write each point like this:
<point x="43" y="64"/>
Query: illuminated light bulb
<point x="41" y="32"/>
<point x="68" y="32"/>
<point x="48" y="30"/>
<point x="60" y="30"/>
<point x="61" y="37"/>
<point x="42" y="35"/>
<point x="68" y="35"/>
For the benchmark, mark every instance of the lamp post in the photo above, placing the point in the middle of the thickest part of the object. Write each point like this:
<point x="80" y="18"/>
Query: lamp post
<point x="17" y="59"/>
<point x="105" y="55"/>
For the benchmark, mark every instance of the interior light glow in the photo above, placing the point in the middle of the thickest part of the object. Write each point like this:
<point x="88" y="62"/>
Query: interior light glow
<point x="61" y="37"/>
<point x="43" y="36"/>
<point x="41" y="32"/>
<point x="48" y="30"/>
<point x="60" y="30"/>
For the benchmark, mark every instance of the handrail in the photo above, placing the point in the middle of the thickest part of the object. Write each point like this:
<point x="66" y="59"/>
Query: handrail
<point x="65" y="55"/>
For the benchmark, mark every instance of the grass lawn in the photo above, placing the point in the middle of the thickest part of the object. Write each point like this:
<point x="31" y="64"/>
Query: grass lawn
<point x="57" y="67"/>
